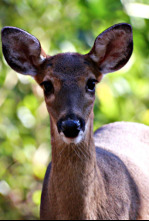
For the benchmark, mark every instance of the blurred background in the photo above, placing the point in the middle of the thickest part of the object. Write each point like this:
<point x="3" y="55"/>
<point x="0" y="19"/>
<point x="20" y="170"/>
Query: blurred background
<point x="62" y="25"/>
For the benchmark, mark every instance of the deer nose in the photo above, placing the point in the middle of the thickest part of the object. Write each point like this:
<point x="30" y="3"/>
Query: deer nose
<point x="71" y="127"/>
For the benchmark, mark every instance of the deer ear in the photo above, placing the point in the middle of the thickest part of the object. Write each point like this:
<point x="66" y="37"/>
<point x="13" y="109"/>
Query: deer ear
<point x="22" y="51"/>
<point x="113" y="48"/>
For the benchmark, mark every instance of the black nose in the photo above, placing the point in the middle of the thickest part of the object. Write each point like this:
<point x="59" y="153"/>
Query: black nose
<point x="71" y="127"/>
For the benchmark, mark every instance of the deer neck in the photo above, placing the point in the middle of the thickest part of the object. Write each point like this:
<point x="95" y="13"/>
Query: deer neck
<point x="75" y="154"/>
<point x="73" y="176"/>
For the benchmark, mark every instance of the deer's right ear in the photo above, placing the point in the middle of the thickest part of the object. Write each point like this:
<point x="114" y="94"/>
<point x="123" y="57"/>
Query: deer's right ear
<point x="22" y="51"/>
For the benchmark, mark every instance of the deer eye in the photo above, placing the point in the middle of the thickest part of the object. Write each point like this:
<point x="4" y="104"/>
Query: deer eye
<point x="90" y="87"/>
<point x="47" y="87"/>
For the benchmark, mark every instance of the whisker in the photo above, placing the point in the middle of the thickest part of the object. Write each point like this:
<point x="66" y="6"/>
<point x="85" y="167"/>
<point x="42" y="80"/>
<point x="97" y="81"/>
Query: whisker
<point x="82" y="147"/>
<point x="62" y="151"/>
<point x="82" y="152"/>
<point x="76" y="153"/>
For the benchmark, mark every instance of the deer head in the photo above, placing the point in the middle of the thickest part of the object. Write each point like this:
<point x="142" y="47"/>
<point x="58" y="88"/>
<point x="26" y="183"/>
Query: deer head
<point x="68" y="80"/>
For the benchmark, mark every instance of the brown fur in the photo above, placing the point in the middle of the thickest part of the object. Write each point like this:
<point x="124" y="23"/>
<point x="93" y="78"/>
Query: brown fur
<point x="109" y="182"/>
<point x="79" y="186"/>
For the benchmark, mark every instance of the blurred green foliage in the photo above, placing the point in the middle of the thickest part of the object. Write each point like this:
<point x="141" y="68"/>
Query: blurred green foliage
<point x="61" y="25"/>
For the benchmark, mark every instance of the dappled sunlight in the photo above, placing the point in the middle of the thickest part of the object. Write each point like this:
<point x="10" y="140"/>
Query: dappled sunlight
<point x="26" y="117"/>
<point x="133" y="8"/>
<point x="62" y="26"/>
<point x="41" y="159"/>
<point x="145" y="117"/>
<point x="108" y="104"/>
<point x="4" y="188"/>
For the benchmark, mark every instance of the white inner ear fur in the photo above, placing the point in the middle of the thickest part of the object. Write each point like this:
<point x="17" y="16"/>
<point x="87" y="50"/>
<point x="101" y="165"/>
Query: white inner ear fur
<point x="100" y="52"/>
<point x="42" y="58"/>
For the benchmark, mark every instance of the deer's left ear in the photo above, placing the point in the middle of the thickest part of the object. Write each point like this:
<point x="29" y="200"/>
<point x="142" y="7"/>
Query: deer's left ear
<point x="22" y="51"/>
<point x="113" y="48"/>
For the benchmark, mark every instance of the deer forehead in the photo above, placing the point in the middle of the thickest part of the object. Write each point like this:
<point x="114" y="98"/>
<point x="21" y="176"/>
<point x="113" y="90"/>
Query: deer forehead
<point x="69" y="64"/>
<point x="66" y="67"/>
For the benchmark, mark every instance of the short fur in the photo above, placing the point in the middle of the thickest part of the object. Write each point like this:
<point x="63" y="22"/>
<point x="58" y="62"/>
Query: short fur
<point x="106" y="182"/>
<point x="109" y="191"/>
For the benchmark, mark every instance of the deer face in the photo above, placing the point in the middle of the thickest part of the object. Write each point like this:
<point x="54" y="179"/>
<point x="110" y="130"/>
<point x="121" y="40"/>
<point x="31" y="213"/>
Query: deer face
<point x="68" y="80"/>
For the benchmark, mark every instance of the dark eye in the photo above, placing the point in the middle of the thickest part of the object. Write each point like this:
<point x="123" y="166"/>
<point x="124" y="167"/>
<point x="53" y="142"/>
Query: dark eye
<point x="48" y="87"/>
<point x="91" y="85"/>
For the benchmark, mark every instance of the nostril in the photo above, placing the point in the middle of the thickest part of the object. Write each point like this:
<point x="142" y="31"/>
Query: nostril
<point x="70" y="124"/>
<point x="71" y="128"/>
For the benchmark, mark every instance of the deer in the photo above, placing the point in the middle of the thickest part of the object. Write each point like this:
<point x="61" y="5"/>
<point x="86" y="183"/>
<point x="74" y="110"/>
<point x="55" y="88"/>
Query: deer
<point x="101" y="176"/>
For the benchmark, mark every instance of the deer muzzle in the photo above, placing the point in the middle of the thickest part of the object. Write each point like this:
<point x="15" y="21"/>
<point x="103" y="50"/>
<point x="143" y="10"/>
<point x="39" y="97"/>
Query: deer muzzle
<point x="71" y="126"/>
